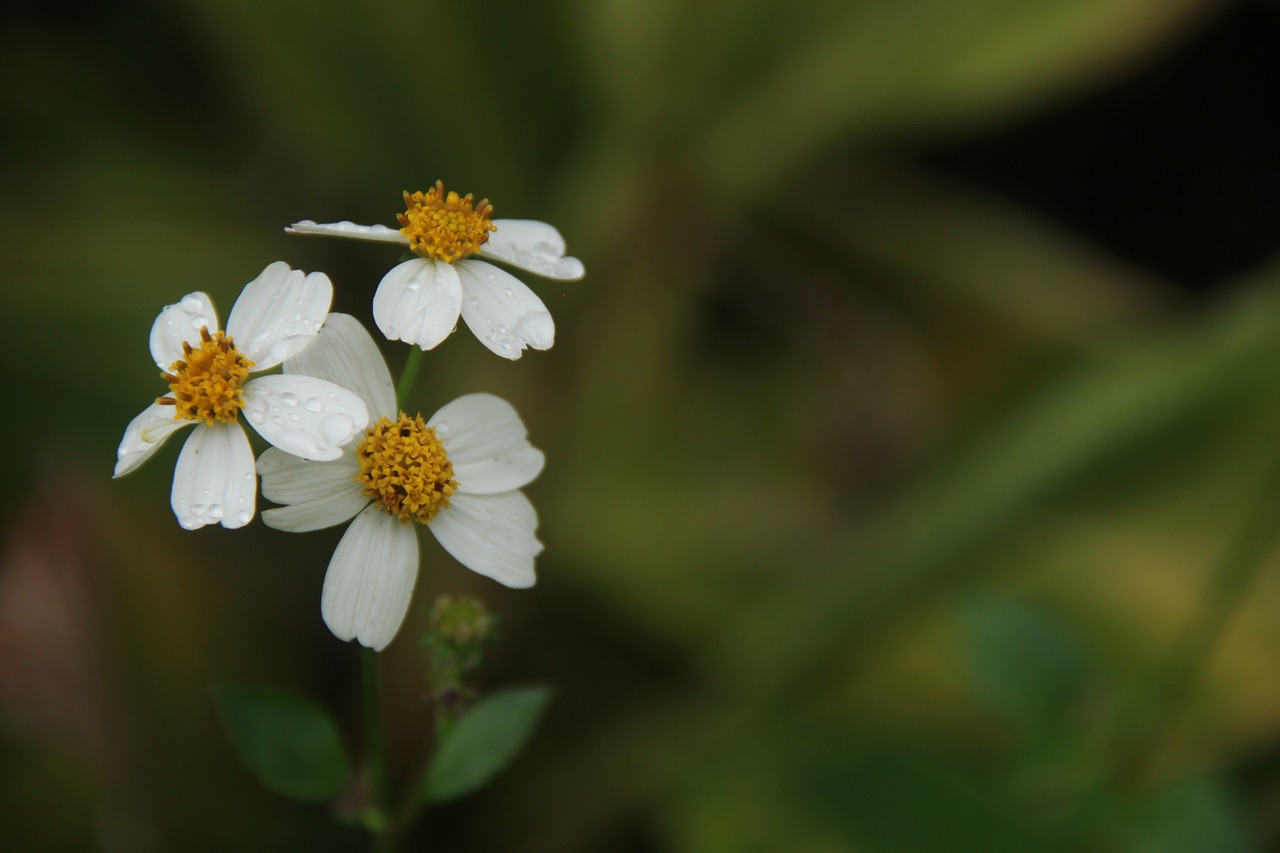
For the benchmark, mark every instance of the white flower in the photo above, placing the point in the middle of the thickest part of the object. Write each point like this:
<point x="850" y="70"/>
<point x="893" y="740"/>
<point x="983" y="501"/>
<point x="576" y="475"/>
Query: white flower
<point x="419" y="300"/>
<point x="276" y="316"/>
<point x="458" y="472"/>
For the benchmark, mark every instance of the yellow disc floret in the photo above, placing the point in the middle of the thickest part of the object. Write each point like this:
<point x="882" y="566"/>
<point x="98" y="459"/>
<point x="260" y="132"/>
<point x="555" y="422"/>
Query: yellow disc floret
<point x="445" y="226"/>
<point x="205" y="385"/>
<point x="403" y="466"/>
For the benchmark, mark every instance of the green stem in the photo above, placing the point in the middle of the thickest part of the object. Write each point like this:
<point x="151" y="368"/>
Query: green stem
<point x="409" y="374"/>
<point x="375" y="743"/>
<point x="379" y="819"/>
<point x="1173" y="685"/>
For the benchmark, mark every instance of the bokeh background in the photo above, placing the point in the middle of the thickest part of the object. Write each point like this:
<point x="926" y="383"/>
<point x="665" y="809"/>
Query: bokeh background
<point x="914" y="473"/>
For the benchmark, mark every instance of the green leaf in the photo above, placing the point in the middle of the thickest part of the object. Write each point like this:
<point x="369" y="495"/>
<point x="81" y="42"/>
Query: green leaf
<point x="484" y="742"/>
<point x="287" y="741"/>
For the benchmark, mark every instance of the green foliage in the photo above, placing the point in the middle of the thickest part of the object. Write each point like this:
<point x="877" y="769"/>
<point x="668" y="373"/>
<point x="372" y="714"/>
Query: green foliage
<point x="483" y="742"/>
<point x="287" y="741"/>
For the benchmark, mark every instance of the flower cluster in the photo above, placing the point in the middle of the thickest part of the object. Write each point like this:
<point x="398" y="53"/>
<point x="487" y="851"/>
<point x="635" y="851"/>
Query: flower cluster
<point x="342" y="446"/>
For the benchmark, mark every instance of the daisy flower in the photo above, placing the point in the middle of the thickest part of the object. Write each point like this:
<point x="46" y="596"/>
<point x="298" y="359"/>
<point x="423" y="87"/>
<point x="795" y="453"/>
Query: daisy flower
<point x="276" y="316"/>
<point x="419" y="300"/>
<point x="457" y="472"/>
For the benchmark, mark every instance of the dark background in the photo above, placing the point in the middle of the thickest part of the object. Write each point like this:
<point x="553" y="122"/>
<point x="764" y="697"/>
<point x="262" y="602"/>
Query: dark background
<point x="912" y="439"/>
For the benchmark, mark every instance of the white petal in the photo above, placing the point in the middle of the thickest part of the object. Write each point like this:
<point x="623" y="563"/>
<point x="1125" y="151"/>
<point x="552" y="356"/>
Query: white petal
<point x="305" y="416"/>
<point x="418" y="302"/>
<point x="377" y="233"/>
<point x="533" y="246"/>
<point x="492" y="535"/>
<point x="144" y="435"/>
<point x="370" y="581"/>
<point x="213" y="481"/>
<point x="504" y="314"/>
<point x="322" y="494"/>
<point x="278" y="313"/>
<point x="287" y="479"/>
<point x="345" y="354"/>
<point x="178" y="323"/>
<point x="487" y="443"/>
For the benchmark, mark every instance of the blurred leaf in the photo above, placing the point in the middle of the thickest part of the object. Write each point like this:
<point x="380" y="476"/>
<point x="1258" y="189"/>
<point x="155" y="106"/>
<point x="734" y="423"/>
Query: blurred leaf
<point x="342" y="89"/>
<point x="889" y="64"/>
<point x="814" y="786"/>
<point x="951" y="247"/>
<point x="1101" y="423"/>
<point x="288" y="742"/>
<point x="1193" y="816"/>
<point x="483" y="742"/>
<point x="1025" y="663"/>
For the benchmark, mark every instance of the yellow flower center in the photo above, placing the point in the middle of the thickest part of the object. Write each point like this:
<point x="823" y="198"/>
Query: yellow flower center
<point x="443" y="226"/>
<point x="205" y="386"/>
<point x="403" y="466"/>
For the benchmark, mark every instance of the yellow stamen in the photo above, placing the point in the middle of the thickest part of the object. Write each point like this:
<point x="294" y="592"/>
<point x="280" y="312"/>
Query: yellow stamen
<point x="403" y="466"/>
<point x="205" y="386"/>
<point x="443" y="226"/>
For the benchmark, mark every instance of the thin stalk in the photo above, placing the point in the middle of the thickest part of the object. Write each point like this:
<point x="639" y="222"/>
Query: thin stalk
<point x="406" y="378"/>
<point x="375" y="743"/>
<point x="1174" y="684"/>
<point x="379" y="820"/>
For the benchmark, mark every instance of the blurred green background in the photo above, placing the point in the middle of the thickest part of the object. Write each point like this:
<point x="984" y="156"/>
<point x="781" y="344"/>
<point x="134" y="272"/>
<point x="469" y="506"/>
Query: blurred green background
<point x="913" y="470"/>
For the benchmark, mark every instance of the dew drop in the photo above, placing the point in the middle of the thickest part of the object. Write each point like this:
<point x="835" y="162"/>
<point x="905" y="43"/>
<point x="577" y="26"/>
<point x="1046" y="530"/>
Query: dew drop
<point x="244" y="516"/>
<point x="199" y="321"/>
<point x="289" y="399"/>
<point x="313" y="405"/>
<point x="191" y="304"/>
<point x="299" y="443"/>
<point x="441" y="428"/>
<point x="337" y="428"/>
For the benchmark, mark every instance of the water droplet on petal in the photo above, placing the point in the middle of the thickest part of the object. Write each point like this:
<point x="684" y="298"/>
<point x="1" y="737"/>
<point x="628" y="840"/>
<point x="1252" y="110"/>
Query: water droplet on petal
<point x="289" y="399"/>
<point x="299" y="443"/>
<point x="313" y="405"/>
<point x="244" y="516"/>
<point x="337" y="428"/>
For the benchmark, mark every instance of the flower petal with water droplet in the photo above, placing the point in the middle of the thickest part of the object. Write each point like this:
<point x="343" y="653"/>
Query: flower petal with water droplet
<point x="350" y="230"/>
<point x="297" y="429"/>
<point x="178" y="323"/>
<point x="418" y="302"/>
<point x="487" y="444"/>
<point x="144" y="435"/>
<point x="278" y="313"/>
<point x="502" y="312"/>
<point x="533" y="246"/>
<point x="344" y="353"/>
<point x="213" y="481"/>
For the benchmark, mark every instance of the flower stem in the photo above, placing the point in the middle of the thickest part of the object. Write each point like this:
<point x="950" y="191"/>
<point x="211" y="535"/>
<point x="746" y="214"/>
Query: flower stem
<point x="408" y="375"/>
<point x="376" y="747"/>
